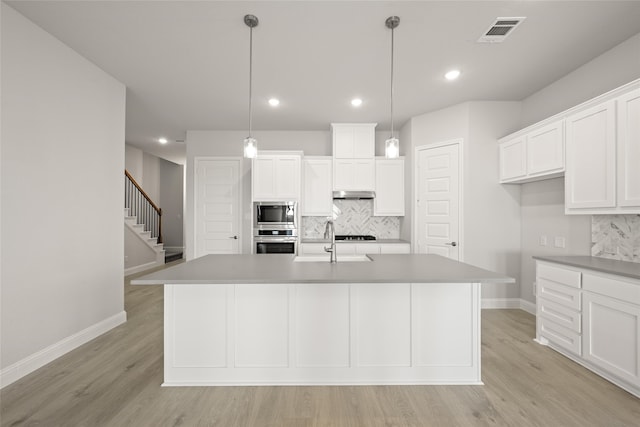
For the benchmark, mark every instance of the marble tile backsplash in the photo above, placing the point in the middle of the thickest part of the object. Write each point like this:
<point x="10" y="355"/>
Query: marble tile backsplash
<point x="353" y="217"/>
<point x="616" y="237"/>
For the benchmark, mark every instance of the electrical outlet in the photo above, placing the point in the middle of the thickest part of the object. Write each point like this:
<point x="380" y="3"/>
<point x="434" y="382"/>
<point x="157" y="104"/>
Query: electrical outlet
<point x="559" y="242"/>
<point x="543" y="240"/>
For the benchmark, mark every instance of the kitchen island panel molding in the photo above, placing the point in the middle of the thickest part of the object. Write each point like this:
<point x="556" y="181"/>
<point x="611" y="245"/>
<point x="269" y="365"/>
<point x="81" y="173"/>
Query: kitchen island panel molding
<point x="321" y="334"/>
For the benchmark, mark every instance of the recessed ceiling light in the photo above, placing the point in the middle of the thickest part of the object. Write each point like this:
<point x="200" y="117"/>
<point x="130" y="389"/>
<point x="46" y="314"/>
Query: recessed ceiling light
<point x="356" y="102"/>
<point x="274" y="102"/>
<point x="452" y="75"/>
<point x="162" y="140"/>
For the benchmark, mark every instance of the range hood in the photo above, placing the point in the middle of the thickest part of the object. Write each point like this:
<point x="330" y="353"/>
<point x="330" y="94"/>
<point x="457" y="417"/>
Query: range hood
<point x="354" y="195"/>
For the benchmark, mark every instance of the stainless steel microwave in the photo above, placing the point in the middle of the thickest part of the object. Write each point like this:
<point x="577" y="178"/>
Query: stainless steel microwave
<point x="274" y="215"/>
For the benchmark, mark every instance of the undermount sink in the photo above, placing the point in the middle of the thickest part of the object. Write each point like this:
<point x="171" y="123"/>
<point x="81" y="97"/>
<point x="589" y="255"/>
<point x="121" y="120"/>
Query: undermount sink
<point x="325" y="258"/>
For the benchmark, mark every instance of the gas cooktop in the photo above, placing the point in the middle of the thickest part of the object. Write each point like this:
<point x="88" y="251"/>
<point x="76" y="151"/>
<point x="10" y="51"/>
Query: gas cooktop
<point x="354" y="237"/>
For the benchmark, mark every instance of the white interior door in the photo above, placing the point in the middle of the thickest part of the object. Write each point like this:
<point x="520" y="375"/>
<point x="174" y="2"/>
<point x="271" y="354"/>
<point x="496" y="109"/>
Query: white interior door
<point x="217" y="210"/>
<point x="438" y="201"/>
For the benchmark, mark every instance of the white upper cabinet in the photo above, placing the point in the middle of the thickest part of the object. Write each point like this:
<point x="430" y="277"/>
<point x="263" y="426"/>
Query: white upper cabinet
<point x="317" y="198"/>
<point x="590" y="180"/>
<point x="533" y="154"/>
<point x="353" y="156"/>
<point x="275" y="177"/>
<point x="629" y="150"/>
<point x="353" y="140"/>
<point x="603" y="154"/>
<point x="389" y="200"/>
<point x="354" y="174"/>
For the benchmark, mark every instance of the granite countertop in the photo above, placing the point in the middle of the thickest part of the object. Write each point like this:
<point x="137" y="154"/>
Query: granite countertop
<point x="603" y="265"/>
<point x="272" y="268"/>
<point x="380" y="241"/>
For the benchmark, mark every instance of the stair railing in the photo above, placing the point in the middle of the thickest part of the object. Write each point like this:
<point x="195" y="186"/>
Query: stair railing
<point x="142" y="207"/>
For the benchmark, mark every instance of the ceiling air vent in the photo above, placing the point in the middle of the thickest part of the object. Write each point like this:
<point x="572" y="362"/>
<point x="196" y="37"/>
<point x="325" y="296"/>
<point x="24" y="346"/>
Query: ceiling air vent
<point x="500" y="29"/>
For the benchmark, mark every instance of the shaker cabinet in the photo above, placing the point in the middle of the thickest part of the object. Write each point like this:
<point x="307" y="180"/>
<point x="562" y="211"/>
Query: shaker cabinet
<point x="533" y="154"/>
<point x="592" y="317"/>
<point x="629" y="150"/>
<point x="353" y="156"/>
<point x="353" y="140"/>
<point x="389" y="200"/>
<point x="590" y="178"/>
<point x="603" y="154"/>
<point x="275" y="177"/>
<point x="317" y="176"/>
<point x="354" y="175"/>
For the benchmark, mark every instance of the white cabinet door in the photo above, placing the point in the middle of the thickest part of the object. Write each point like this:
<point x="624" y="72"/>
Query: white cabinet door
<point x="629" y="149"/>
<point x="318" y="183"/>
<point x="287" y="178"/>
<point x="263" y="178"/>
<point x="353" y="140"/>
<point x="513" y="159"/>
<point x="276" y="177"/>
<point x="591" y="163"/>
<point x="611" y="340"/>
<point x="545" y="149"/>
<point x="354" y="174"/>
<point x="389" y="199"/>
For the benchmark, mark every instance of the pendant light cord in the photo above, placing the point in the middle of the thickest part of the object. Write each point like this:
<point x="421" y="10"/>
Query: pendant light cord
<point x="250" y="78"/>
<point x="392" y="30"/>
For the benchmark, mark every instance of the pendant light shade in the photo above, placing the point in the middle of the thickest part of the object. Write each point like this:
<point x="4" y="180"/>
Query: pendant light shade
<point x="250" y="143"/>
<point x="392" y="145"/>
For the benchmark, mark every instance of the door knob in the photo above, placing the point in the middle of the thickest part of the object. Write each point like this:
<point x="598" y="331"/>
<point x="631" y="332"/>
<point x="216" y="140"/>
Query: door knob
<point x="234" y="237"/>
<point x="451" y="244"/>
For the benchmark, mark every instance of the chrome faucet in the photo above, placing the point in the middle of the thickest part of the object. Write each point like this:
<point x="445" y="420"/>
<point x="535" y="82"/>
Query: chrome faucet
<point x="330" y="233"/>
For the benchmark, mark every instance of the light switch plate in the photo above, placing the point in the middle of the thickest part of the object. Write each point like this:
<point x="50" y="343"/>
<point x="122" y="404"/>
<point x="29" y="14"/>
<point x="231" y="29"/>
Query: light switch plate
<point x="543" y="240"/>
<point x="559" y="242"/>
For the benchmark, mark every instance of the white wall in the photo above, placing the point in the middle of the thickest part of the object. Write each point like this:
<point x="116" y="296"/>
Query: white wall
<point x="543" y="202"/>
<point x="172" y="204"/>
<point x="62" y="190"/>
<point x="608" y="71"/>
<point x="133" y="162"/>
<point x="491" y="228"/>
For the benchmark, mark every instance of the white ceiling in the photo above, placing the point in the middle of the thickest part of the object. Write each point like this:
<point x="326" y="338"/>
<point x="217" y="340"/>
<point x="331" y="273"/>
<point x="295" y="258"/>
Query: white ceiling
<point x="185" y="63"/>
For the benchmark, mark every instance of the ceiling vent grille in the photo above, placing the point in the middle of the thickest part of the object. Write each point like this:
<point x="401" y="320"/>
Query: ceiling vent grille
<point x="500" y="29"/>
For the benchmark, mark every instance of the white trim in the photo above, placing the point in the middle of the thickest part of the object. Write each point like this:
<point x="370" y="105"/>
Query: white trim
<point x="241" y="170"/>
<point x="37" y="360"/>
<point x="414" y="202"/>
<point x="143" y="267"/>
<point x="508" y="303"/>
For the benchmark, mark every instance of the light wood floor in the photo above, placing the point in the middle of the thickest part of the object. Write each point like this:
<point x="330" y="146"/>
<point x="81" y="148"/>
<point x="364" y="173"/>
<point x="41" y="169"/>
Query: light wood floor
<point x="115" y="380"/>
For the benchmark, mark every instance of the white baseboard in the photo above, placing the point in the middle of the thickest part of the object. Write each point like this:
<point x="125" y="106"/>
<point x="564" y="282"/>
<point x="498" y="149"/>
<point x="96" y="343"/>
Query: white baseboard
<point x="498" y="303"/>
<point x="37" y="360"/>
<point x="143" y="267"/>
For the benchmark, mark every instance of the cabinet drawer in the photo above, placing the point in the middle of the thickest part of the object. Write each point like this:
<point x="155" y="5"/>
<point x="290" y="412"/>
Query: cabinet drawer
<point x="560" y="314"/>
<point x="561" y="336"/>
<point x="312" y="248"/>
<point x="560" y="294"/>
<point x="558" y="274"/>
<point x="614" y="288"/>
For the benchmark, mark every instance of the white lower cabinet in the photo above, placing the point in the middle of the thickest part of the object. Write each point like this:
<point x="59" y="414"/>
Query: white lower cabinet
<point x="611" y="336"/>
<point x="592" y="317"/>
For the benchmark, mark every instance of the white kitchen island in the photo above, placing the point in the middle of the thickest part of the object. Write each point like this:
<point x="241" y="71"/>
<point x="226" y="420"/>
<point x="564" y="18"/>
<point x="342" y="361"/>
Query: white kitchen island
<point x="269" y="320"/>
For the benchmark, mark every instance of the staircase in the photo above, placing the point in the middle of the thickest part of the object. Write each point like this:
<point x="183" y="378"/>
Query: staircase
<point x="153" y="259"/>
<point x="143" y="219"/>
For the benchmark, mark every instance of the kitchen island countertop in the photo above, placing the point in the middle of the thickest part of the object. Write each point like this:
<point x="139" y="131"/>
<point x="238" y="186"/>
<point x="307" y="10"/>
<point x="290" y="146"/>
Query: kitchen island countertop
<point x="271" y="268"/>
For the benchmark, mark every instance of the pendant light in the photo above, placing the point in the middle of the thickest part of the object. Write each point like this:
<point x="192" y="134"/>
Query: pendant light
<point x="250" y="143"/>
<point x="392" y="145"/>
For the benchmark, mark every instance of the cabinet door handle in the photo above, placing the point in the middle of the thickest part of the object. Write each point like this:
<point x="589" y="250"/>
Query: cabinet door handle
<point x="234" y="237"/>
<point x="451" y="244"/>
